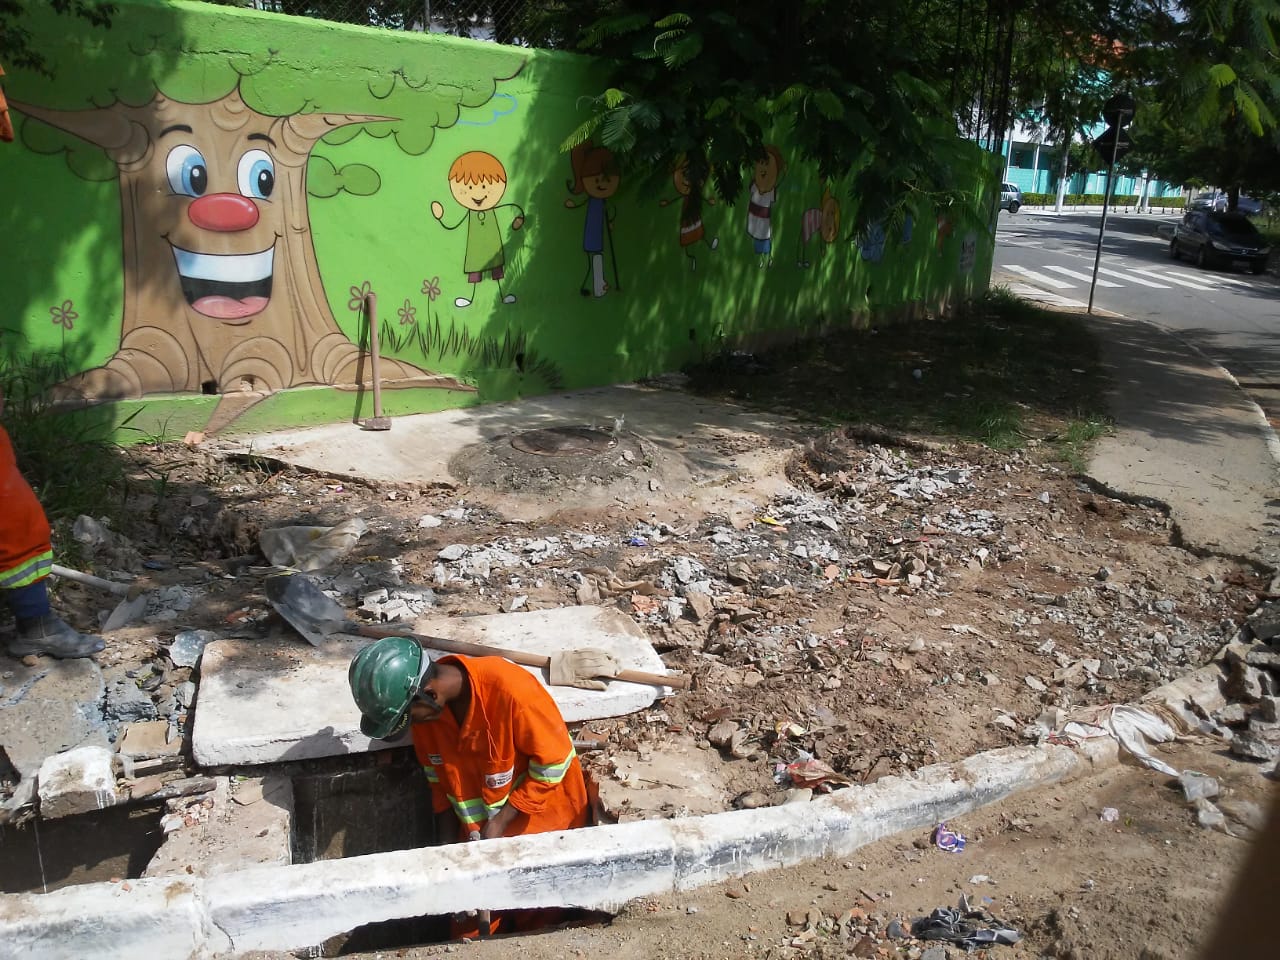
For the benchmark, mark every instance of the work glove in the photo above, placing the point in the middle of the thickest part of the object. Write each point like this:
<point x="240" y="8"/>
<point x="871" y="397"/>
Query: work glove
<point x="580" y="668"/>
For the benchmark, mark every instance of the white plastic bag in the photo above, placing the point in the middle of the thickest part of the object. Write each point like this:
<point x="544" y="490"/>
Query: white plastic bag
<point x="310" y="548"/>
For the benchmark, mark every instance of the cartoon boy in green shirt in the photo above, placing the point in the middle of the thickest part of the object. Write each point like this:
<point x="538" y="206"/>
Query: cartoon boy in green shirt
<point x="477" y="181"/>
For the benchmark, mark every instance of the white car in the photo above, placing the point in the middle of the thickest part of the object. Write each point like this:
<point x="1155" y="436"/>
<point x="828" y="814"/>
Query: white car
<point x="1010" y="197"/>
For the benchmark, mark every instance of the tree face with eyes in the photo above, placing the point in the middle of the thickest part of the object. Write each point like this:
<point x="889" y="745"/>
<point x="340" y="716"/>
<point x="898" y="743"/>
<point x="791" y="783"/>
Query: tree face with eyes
<point x="221" y="284"/>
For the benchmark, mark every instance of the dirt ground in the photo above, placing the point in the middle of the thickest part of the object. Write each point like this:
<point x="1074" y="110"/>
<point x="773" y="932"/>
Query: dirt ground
<point x="1145" y="887"/>
<point x="907" y="599"/>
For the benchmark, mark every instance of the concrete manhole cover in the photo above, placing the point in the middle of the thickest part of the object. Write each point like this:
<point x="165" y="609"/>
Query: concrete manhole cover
<point x="572" y="456"/>
<point x="564" y="441"/>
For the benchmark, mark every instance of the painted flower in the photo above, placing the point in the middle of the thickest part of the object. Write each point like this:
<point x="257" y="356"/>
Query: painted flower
<point x="65" y="315"/>
<point x="431" y="288"/>
<point x="358" y="295"/>
<point x="408" y="314"/>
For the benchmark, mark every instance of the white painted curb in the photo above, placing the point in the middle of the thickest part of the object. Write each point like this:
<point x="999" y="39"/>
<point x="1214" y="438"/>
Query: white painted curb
<point x="292" y="907"/>
<point x="162" y="918"/>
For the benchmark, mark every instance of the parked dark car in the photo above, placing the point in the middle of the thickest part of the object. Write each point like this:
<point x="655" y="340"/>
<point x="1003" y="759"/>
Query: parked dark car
<point x="1211" y="238"/>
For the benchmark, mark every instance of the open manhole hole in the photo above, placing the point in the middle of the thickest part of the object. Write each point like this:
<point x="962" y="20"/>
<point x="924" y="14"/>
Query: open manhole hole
<point x="564" y="441"/>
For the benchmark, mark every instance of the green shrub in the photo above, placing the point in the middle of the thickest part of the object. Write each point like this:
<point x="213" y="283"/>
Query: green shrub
<point x="68" y="457"/>
<point x="1095" y="200"/>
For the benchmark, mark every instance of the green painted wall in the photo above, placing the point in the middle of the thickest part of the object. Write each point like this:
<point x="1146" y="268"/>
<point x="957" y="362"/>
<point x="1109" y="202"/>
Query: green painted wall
<point x="243" y="137"/>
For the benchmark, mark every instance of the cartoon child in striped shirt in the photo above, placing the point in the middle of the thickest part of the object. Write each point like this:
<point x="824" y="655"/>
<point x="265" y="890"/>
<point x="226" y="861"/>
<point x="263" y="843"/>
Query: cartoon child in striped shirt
<point x="764" y="190"/>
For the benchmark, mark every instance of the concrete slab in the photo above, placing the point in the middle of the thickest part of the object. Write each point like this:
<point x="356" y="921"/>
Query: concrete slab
<point x="53" y="706"/>
<point x="692" y="447"/>
<point x="271" y="701"/>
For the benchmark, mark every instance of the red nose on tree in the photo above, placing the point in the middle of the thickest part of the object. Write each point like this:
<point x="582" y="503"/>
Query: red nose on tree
<point x="225" y="212"/>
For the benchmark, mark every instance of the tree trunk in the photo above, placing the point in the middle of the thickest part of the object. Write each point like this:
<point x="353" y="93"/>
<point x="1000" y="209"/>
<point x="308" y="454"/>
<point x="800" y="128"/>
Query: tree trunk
<point x="1062" y="172"/>
<point x="218" y="302"/>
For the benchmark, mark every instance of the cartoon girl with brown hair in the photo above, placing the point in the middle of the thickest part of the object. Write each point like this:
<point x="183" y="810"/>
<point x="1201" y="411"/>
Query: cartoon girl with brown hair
<point x="689" y="185"/>
<point x="595" y="173"/>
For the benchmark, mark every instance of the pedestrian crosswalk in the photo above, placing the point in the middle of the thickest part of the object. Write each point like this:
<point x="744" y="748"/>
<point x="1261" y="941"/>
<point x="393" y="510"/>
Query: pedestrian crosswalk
<point x="1053" y="277"/>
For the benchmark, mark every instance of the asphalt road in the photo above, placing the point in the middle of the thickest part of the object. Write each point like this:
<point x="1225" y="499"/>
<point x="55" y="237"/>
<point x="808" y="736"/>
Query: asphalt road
<point x="1232" y="315"/>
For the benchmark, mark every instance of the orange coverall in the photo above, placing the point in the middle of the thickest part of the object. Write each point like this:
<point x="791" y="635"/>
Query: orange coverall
<point x="512" y="748"/>
<point x="25" y="552"/>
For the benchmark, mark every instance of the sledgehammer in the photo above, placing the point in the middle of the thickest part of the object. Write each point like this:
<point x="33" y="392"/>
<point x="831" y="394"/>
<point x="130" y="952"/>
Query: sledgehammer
<point x="132" y="606"/>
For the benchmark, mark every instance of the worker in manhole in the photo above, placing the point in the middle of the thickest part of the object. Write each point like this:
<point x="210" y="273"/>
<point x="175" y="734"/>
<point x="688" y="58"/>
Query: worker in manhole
<point x="491" y="740"/>
<point x="26" y="558"/>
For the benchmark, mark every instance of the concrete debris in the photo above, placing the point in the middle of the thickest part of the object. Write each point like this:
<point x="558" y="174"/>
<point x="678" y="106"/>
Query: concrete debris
<point x="1197" y="786"/>
<point x="146" y="740"/>
<point x="78" y="781"/>
<point x="168" y="603"/>
<point x="126" y="701"/>
<point x="1268" y="709"/>
<point x="1265" y="622"/>
<point x="1244" y="683"/>
<point x="187" y="646"/>
<point x="241" y="823"/>
<point x="1253" y="744"/>
<point x="1209" y="816"/>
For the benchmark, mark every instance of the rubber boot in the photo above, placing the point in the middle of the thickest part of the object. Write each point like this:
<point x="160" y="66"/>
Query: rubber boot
<point x="50" y="635"/>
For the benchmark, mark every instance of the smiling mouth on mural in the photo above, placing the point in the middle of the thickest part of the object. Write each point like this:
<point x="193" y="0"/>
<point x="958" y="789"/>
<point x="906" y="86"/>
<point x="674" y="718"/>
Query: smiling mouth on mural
<point x="228" y="287"/>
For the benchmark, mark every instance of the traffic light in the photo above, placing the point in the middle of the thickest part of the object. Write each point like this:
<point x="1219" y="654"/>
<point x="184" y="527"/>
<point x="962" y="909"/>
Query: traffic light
<point x="1114" y="142"/>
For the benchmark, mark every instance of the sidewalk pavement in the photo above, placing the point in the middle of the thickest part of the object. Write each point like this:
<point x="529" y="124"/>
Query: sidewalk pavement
<point x="1186" y="436"/>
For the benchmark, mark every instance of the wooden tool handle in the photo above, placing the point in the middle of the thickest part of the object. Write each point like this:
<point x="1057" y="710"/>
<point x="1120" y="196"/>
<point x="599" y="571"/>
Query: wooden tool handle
<point x="676" y="680"/>
<point x="88" y="579"/>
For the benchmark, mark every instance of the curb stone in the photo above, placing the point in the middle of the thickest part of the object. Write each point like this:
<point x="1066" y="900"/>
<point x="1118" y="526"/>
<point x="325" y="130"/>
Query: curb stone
<point x="295" y="907"/>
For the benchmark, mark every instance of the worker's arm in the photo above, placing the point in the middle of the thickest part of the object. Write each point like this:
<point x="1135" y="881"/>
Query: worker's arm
<point x="540" y="734"/>
<point x="497" y="825"/>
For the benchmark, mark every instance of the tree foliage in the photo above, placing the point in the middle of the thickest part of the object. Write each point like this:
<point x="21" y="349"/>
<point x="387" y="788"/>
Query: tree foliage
<point x="868" y="91"/>
<point x="17" y="48"/>
<point x="1210" y="76"/>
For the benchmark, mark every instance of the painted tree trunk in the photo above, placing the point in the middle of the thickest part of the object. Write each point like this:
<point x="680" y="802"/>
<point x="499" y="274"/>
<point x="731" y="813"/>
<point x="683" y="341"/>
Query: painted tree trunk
<point x="222" y="290"/>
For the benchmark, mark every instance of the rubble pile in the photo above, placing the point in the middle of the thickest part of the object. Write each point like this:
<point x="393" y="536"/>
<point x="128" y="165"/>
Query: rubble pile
<point x="898" y="605"/>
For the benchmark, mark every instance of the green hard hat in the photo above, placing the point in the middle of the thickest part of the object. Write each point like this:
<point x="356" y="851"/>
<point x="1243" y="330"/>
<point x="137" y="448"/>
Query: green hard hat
<point x="384" y="678"/>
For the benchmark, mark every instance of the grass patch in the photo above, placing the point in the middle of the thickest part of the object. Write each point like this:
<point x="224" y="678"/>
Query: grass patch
<point x="1000" y="372"/>
<point x="69" y="458"/>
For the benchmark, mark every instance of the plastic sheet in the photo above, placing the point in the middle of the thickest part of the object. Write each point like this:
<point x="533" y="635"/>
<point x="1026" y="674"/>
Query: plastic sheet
<point x="311" y="548"/>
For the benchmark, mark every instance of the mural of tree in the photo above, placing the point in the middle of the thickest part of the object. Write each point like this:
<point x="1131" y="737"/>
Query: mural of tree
<point x="222" y="290"/>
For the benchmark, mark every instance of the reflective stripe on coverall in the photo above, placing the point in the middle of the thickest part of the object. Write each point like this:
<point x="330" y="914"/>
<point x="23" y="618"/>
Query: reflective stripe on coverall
<point x="25" y="552"/>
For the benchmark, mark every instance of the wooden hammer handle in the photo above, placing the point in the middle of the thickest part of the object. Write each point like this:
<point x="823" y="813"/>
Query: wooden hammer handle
<point x="89" y="580"/>
<point x="676" y="680"/>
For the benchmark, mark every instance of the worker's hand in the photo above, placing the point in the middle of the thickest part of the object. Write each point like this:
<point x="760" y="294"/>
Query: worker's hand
<point x="497" y="825"/>
<point x="437" y="209"/>
<point x="580" y="668"/>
